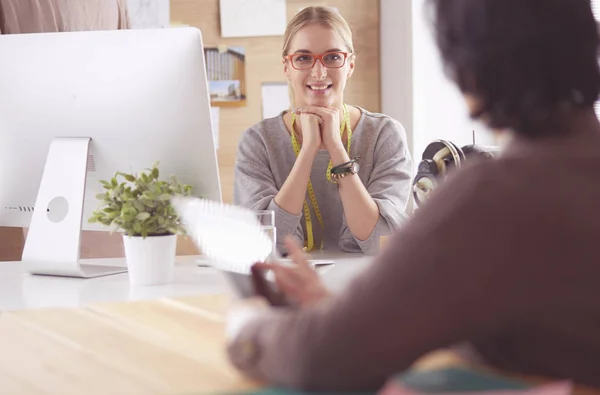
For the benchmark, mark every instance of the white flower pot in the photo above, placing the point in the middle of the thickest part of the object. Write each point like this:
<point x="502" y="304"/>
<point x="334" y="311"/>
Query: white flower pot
<point x="150" y="261"/>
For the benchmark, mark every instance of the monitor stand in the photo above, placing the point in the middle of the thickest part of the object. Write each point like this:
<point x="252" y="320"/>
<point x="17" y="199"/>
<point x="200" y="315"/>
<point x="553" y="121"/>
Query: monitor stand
<point x="53" y="240"/>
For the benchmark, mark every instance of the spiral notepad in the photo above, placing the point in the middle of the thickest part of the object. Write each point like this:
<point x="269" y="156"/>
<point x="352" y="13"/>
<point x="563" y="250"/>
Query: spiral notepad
<point x="230" y="236"/>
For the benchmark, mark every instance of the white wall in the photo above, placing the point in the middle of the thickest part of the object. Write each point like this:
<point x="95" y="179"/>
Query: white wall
<point x="396" y="62"/>
<point x="438" y="107"/>
<point x="414" y="89"/>
<point x="396" y="66"/>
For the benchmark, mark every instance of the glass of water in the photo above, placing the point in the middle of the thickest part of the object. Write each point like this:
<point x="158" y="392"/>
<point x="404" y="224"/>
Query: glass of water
<point x="266" y="218"/>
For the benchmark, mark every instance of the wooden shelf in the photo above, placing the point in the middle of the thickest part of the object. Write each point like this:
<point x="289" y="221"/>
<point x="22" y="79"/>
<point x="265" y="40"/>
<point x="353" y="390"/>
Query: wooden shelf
<point x="229" y="104"/>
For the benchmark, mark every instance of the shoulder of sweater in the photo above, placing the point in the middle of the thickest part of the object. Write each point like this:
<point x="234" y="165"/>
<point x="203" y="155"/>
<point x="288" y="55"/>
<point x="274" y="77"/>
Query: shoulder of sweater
<point x="383" y="128"/>
<point x="265" y="126"/>
<point x="264" y="132"/>
<point x="379" y="118"/>
<point x="476" y="192"/>
<point x="381" y="122"/>
<point x="494" y="183"/>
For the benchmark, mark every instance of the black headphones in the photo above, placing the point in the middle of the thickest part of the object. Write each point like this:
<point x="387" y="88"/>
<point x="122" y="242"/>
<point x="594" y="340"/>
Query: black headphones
<point x="439" y="158"/>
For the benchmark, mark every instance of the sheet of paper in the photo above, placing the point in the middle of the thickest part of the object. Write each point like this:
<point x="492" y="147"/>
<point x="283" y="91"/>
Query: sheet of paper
<point x="275" y="98"/>
<point x="214" y="119"/>
<point x="252" y="18"/>
<point x="149" y="14"/>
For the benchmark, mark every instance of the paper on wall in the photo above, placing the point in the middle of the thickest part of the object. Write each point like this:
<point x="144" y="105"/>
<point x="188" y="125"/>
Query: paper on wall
<point x="149" y="14"/>
<point x="251" y="18"/>
<point x="214" y="120"/>
<point x="275" y="98"/>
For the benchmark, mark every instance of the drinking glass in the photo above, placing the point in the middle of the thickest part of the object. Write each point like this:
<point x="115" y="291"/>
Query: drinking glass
<point x="266" y="218"/>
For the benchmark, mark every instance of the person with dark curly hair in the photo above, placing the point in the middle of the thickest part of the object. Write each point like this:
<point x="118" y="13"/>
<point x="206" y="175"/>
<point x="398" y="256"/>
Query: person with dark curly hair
<point x="503" y="259"/>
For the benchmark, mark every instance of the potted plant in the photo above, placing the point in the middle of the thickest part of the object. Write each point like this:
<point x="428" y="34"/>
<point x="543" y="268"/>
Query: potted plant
<point x="139" y="206"/>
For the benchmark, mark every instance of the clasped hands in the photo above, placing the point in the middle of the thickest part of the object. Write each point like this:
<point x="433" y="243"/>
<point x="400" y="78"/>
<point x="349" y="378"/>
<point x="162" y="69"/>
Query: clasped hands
<point x="320" y="127"/>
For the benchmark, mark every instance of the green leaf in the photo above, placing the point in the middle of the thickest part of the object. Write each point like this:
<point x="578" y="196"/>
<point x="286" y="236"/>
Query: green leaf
<point x="164" y="197"/>
<point x="128" y="208"/>
<point x="139" y="206"/>
<point x="137" y="227"/>
<point x="173" y="230"/>
<point x="101" y="196"/>
<point x="128" y="177"/>
<point x="114" y="214"/>
<point x="142" y="216"/>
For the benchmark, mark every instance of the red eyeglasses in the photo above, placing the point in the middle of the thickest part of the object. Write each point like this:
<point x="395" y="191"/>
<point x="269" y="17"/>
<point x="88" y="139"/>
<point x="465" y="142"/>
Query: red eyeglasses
<point x="305" y="61"/>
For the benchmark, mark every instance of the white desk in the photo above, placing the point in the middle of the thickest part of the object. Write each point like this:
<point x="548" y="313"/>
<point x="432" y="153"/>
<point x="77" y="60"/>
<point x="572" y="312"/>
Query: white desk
<point x="21" y="290"/>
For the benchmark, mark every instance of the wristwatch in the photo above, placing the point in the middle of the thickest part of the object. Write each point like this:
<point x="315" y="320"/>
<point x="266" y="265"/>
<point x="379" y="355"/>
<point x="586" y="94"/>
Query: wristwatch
<point x="345" y="169"/>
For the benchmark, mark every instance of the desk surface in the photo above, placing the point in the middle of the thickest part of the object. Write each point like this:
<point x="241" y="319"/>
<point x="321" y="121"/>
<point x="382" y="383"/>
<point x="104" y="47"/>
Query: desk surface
<point x="170" y="346"/>
<point x="166" y="346"/>
<point x="21" y="290"/>
<point x="78" y="336"/>
<point x="165" y="342"/>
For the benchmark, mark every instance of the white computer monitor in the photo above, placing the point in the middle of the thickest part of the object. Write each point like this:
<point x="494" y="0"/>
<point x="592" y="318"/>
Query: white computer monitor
<point x="132" y="97"/>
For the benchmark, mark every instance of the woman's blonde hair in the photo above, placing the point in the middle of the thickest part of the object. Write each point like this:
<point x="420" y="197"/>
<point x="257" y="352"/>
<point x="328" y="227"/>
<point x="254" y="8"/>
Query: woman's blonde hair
<point x="318" y="15"/>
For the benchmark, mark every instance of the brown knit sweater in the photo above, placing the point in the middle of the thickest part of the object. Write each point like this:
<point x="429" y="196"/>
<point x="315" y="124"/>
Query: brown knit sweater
<point x="43" y="16"/>
<point x="505" y="257"/>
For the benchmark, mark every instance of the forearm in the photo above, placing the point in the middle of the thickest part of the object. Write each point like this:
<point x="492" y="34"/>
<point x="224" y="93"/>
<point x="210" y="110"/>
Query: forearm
<point x="291" y="195"/>
<point x="389" y="313"/>
<point x="362" y="213"/>
<point x="312" y="351"/>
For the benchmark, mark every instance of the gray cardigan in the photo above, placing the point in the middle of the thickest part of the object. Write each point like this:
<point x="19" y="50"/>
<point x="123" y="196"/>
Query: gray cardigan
<point x="265" y="158"/>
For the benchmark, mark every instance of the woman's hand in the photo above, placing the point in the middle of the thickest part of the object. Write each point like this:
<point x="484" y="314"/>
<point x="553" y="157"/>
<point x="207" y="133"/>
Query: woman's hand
<point x="330" y="125"/>
<point x="310" y="130"/>
<point x="298" y="282"/>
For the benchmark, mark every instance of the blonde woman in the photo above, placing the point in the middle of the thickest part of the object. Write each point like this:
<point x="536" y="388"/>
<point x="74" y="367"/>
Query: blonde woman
<point x="336" y="175"/>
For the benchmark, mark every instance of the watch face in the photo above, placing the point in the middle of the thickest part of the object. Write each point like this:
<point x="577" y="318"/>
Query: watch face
<point x="354" y="168"/>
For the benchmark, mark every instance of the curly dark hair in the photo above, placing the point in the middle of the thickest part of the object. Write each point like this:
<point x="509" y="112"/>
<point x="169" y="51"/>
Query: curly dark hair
<point x="528" y="63"/>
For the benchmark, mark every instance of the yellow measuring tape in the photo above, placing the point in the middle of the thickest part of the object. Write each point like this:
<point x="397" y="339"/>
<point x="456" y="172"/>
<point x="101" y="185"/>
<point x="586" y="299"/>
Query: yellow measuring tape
<point x="311" y="193"/>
